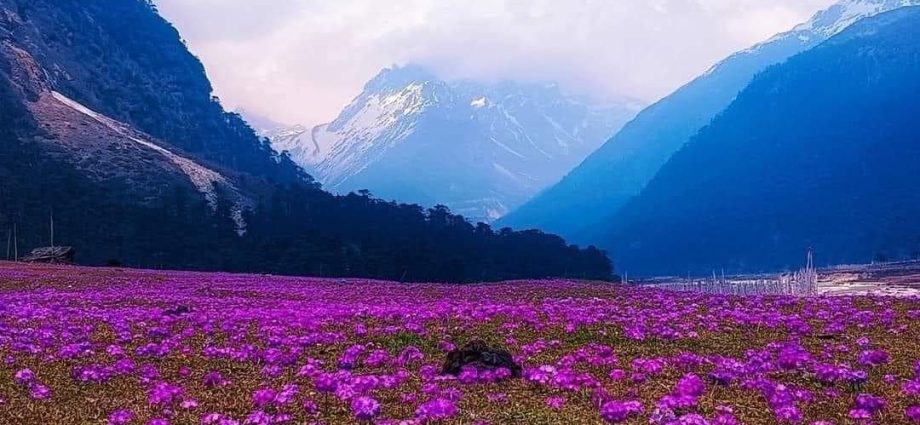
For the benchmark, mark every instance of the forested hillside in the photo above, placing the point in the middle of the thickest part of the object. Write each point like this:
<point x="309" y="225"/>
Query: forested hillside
<point x="818" y="152"/>
<point x="623" y="166"/>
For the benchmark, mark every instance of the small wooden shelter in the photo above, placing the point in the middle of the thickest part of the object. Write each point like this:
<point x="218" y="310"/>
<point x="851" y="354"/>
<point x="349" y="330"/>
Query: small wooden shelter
<point x="51" y="255"/>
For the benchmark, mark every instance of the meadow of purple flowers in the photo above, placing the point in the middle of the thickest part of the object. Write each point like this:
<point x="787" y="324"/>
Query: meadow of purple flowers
<point x="112" y="346"/>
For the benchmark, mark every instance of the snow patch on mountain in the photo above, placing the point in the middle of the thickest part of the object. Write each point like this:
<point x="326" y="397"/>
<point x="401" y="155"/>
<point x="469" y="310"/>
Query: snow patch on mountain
<point x="827" y="23"/>
<point x="204" y="179"/>
<point x="838" y="17"/>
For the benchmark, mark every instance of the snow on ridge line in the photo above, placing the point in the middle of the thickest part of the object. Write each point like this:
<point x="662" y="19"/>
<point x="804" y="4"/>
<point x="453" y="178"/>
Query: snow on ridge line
<point x="202" y="178"/>
<point x="847" y="12"/>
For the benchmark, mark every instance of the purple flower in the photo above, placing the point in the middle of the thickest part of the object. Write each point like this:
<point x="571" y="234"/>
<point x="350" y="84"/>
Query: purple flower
<point x="649" y="367"/>
<point x="540" y="375"/>
<point x="435" y="410"/>
<point x="860" y="414"/>
<point x="913" y="413"/>
<point x="164" y="394"/>
<point x="213" y="379"/>
<point x="725" y="418"/>
<point x="555" y="402"/>
<point x="788" y="413"/>
<point x="468" y="375"/>
<point x="912" y="387"/>
<point x="690" y="385"/>
<point x="793" y="356"/>
<point x="326" y="383"/>
<point x="259" y="417"/>
<point x="185" y="372"/>
<point x="287" y="394"/>
<point x="39" y="392"/>
<point x="121" y="417"/>
<point x="148" y="373"/>
<point x="618" y="411"/>
<point x="211" y="418"/>
<point x="693" y="419"/>
<point x="377" y="358"/>
<point x="125" y="366"/>
<point x="869" y="403"/>
<point x="365" y="408"/>
<point x="874" y="357"/>
<point x="263" y="397"/>
<point x="310" y="407"/>
<point x="25" y="377"/>
<point x="410" y="355"/>
<point x="114" y="351"/>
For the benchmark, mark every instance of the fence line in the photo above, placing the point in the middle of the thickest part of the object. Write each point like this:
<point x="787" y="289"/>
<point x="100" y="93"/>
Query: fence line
<point x="801" y="283"/>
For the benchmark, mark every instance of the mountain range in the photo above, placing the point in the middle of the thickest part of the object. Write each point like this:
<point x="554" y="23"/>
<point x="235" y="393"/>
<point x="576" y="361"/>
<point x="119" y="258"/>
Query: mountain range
<point x="819" y="152"/>
<point x="110" y="134"/>
<point x="480" y="149"/>
<point x="585" y="200"/>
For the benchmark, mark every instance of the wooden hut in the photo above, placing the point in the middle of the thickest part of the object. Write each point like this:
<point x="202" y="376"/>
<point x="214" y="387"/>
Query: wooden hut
<point x="51" y="255"/>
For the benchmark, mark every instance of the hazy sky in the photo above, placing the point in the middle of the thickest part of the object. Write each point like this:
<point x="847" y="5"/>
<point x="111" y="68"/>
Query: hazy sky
<point x="300" y="61"/>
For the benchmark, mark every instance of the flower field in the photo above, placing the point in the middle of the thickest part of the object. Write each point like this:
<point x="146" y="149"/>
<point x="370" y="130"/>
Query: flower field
<point x="113" y="346"/>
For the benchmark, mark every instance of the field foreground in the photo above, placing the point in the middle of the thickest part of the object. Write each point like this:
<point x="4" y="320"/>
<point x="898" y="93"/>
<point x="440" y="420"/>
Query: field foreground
<point x="99" y="346"/>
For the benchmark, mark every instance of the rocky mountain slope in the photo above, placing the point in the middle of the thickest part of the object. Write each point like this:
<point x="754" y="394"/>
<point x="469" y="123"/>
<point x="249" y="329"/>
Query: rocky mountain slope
<point x="818" y="152"/>
<point x="624" y="165"/>
<point x="481" y="149"/>
<point x="107" y="151"/>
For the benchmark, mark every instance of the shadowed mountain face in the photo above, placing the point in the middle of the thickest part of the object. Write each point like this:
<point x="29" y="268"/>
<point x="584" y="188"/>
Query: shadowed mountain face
<point x="621" y="168"/>
<point x="480" y="149"/>
<point x="819" y="152"/>
<point x="40" y="58"/>
<point x="129" y="64"/>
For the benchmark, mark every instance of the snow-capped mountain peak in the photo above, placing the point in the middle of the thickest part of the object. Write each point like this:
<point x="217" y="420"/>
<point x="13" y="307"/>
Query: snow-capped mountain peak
<point x="838" y="17"/>
<point x="375" y="122"/>
<point x="481" y="149"/>
<point x="823" y="25"/>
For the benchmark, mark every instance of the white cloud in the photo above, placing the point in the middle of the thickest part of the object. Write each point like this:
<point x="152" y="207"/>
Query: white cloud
<point x="302" y="60"/>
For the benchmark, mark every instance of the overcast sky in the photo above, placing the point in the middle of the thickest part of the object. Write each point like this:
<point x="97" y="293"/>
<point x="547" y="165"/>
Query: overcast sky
<point x="300" y="61"/>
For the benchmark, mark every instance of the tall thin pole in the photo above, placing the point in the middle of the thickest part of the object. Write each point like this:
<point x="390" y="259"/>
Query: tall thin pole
<point x="52" y="228"/>
<point x="15" y="243"/>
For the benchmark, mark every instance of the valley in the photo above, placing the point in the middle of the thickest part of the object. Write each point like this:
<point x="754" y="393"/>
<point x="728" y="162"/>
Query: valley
<point x="530" y="213"/>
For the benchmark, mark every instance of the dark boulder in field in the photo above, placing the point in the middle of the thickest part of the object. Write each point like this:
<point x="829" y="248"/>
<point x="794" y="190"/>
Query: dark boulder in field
<point x="177" y="311"/>
<point x="480" y="355"/>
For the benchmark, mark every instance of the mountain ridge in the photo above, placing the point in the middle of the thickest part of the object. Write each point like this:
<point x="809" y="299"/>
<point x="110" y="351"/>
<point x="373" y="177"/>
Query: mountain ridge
<point x="816" y="153"/>
<point x="621" y="168"/>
